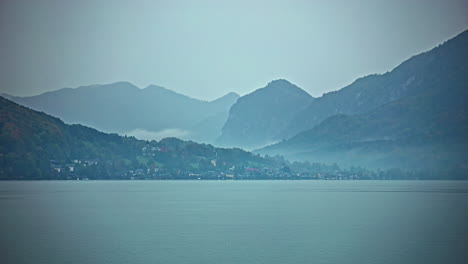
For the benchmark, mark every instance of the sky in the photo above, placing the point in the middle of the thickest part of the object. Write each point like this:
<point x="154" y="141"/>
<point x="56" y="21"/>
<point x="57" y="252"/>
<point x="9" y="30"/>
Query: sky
<point x="206" y="49"/>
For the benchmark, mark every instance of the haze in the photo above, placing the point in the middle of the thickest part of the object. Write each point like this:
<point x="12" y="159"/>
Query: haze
<point x="208" y="48"/>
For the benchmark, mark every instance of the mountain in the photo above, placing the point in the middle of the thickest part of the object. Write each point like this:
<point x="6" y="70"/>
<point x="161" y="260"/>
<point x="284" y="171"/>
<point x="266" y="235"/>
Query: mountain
<point x="209" y="128"/>
<point x="365" y="94"/>
<point x="34" y="145"/>
<point x="123" y="108"/>
<point x="255" y="119"/>
<point x="424" y="124"/>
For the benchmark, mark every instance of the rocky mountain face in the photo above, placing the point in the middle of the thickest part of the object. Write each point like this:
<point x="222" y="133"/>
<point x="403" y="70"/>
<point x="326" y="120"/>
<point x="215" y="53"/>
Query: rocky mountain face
<point x="256" y="118"/>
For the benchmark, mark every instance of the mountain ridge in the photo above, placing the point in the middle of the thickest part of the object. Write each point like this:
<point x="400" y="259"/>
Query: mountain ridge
<point x="37" y="146"/>
<point x="424" y="128"/>
<point x="371" y="91"/>
<point x="122" y="107"/>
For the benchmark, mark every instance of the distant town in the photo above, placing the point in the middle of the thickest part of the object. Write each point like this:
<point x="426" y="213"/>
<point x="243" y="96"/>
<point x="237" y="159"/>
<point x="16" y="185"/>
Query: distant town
<point x="91" y="169"/>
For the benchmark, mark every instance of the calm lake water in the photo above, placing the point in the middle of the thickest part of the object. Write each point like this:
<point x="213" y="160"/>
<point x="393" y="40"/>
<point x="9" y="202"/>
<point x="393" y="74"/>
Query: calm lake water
<point x="234" y="222"/>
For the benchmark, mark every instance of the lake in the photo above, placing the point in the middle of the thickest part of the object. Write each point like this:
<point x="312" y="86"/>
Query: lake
<point x="234" y="222"/>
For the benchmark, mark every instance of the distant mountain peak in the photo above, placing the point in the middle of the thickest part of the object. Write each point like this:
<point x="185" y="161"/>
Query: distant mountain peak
<point x="120" y="84"/>
<point x="122" y="107"/>
<point x="229" y="97"/>
<point x="231" y="94"/>
<point x="279" y="82"/>
<point x="284" y="86"/>
<point x="414" y="116"/>
<point x="256" y="117"/>
<point x="153" y="86"/>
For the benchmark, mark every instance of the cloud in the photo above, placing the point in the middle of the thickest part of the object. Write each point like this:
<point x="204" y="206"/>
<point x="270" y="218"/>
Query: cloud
<point x="158" y="135"/>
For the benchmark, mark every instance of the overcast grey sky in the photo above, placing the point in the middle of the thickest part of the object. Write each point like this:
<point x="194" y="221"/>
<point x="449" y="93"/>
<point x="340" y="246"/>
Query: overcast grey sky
<point x="208" y="48"/>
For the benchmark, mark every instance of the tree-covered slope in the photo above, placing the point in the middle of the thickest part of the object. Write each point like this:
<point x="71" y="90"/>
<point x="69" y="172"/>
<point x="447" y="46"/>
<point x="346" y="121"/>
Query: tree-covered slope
<point x="442" y="66"/>
<point x="426" y="129"/>
<point x="29" y="140"/>
<point x="34" y="145"/>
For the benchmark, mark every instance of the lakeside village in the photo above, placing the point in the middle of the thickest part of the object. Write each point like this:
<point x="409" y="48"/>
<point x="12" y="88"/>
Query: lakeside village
<point x="212" y="169"/>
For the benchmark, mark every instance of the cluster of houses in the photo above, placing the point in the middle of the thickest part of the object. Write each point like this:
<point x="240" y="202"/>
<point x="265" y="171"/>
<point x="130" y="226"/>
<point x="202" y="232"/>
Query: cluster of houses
<point x="60" y="167"/>
<point x="152" y="150"/>
<point x="217" y="173"/>
<point x="234" y="174"/>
